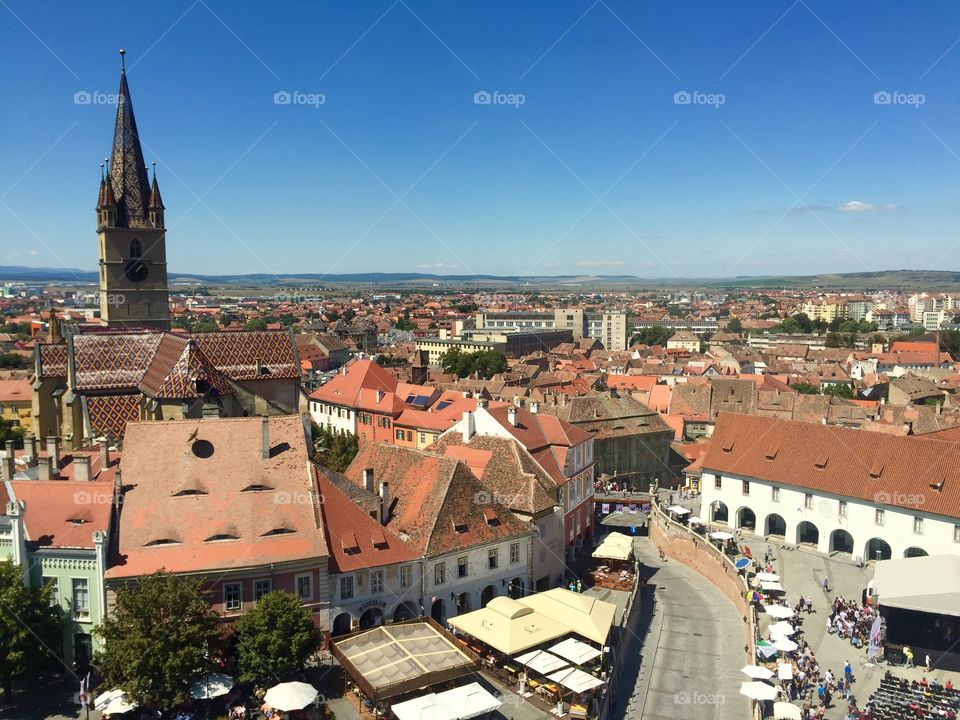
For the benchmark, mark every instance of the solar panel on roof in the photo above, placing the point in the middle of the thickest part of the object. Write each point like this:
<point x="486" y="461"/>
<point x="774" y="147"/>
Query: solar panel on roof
<point x="444" y="403"/>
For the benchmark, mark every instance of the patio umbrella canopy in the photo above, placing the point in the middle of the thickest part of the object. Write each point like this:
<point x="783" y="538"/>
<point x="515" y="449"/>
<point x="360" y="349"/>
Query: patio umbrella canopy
<point x="772" y="587"/>
<point x="211" y="686"/>
<point x="290" y="696"/>
<point x="757" y="672"/>
<point x="786" y="711"/>
<point x="785" y="644"/>
<point x="576" y="680"/>
<point x="766" y="649"/>
<point x="114" y="702"/>
<point x="575" y="651"/>
<point x="678" y="510"/>
<point x="721" y="535"/>
<point x="778" y="611"/>
<point x="782" y="628"/>
<point x="425" y="707"/>
<point x="541" y="661"/>
<point x="611" y="551"/>
<point x="784" y="671"/>
<point x="468" y="701"/>
<point x="758" y="690"/>
<point x="767" y="577"/>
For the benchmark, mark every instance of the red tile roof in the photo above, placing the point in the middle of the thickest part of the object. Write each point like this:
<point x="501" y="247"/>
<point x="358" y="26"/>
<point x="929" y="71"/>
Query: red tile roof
<point x="15" y="391"/>
<point x="64" y="514"/>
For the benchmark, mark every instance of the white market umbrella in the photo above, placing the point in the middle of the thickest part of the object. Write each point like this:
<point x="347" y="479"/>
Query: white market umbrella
<point x="772" y="587"/>
<point x="778" y="611"/>
<point x="678" y="510"/>
<point x="468" y="701"/>
<point x="758" y="690"/>
<point x="541" y="661"/>
<point x="290" y="696"/>
<point x="767" y="577"/>
<point x="114" y="702"/>
<point x="695" y="521"/>
<point x="782" y="628"/>
<point x="785" y="644"/>
<point x="576" y="680"/>
<point x="785" y="671"/>
<point x="757" y="672"/>
<point x="721" y="535"/>
<point x="425" y="707"/>
<point x="786" y="711"/>
<point x="575" y="651"/>
<point x="211" y="686"/>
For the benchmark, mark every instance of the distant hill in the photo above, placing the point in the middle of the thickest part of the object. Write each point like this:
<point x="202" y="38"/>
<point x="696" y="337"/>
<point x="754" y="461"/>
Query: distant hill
<point x="881" y="280"/>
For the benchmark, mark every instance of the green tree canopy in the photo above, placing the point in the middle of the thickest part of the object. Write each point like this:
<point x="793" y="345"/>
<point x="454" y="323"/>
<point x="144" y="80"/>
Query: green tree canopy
<point x="841" y="390"/>
<point x="161" y="637"/>
<point x="256" y="324"/>
<point x="30" y="629"/>
<point x="334" y="450"/>
<point x="463" y="364"/>
<point x="805" y="388"/>
<point x="9" y="431"/>
<point x="652" y="336"/>
<point x="276" y="638"/>
<point x="208" y="326"/>
<point x="734" y="326"/>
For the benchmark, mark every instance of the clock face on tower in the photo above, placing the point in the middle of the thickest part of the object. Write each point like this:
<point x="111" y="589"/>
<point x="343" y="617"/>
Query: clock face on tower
<point x="136" y="271"/>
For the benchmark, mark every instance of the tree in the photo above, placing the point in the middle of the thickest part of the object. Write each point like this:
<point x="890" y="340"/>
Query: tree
<point x="9" y="431"/>
<point x="13" y="361"/>
<point x="841" y="390"/>
<point x="276" y="638"/>
<point x="652" y="336"/>
<point x="208" y="326"/>
<point x="805" y="388"/>
<point x="487" y="362"/>
<point x="29" y="627"/>
<point x="161" y="637"/>
<point x="734" y="326"/>
<point x="256" y="324"/>
<point x="404" y="324"/>
<point x="335" y="450"/>
<point x="950" y="342"/>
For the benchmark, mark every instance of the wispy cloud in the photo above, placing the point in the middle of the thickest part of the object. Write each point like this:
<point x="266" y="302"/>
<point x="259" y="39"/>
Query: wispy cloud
<point x="598" y="263"/>
<point x="856" y="206"/>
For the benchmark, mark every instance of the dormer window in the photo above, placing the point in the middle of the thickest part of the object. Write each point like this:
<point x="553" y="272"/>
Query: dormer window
<point x="277" y="531"/>
<point x="221" y="536"/>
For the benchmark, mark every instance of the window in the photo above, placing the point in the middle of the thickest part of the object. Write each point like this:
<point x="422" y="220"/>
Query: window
<point x="231" y="597"/>
<point x="136" y="248"/>
<point x="439" y="573"/>
<point x="346" y="587"/>
<point x="423" y="438"/>
<point x="261" y="588"/>
<point x="383" y="422"/>
<point x="746" y="487"/>
<point x="81" y="598"/>
<point x="493" y="558"/>
<point x="717" y="482"/>
<point x="808" y="501"/>
<point x="363" y="418"/>
<point x="775" y="494"/>
<point x="842" y="509"/>
<point x="399" y="435"/>
<point x="406" y="576"/>
<point x="918" y="525"/>
<point x="462" y="567"/>
<point x="514" y="553"/>
<point x="305" y="587"/>
<point x="54" y="584"/>
<point x="878" y="516"/>
<point x="376" y="581"/>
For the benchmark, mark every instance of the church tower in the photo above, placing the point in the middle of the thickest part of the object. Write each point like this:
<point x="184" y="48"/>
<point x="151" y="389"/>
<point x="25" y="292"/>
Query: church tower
<point x="133" y="253"/>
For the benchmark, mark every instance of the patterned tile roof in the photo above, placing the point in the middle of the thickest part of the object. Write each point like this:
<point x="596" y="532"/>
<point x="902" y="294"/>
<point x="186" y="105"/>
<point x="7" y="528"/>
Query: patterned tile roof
<point x="53" y="359"/>
<point x="177" y="366"/>
<point x="109" y="414"/>
<point x="251" y="355"/>
<point x="113" y="361"/>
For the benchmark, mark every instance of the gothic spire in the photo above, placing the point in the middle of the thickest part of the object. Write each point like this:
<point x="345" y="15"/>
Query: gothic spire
<point x="128" y="173"/>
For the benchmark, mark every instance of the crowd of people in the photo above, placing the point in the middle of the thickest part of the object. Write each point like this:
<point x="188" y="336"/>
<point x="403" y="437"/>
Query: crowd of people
<point x="851" y="620"/>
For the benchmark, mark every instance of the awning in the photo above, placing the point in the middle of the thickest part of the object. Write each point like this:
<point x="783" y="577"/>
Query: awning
<point x="786" y="711"/>
<point x="767" y="577"/>
<point x="782" y="628"/>
<point x="509" y="626"/>
<point x="576" y="680"/>
<point x="721" y="535"/>
<point x="678" y="510"/>
<point x="541" y="661"/>
<point x="766" y="648"/>
<point x="581" y="613"/>
<point x="778" y="611"/>
<point x="928" y="584"/>
<point x="468" y="701"/>
<point x="757" y="672"/>
<point x="785" y="671"/>
<point x="425" y="707"/>
<point x="694" y="520"/>
<point x="611" y="551"/>
<point x="771" y="587"/>
<point x="785" y="644"/>
<point x="575" y="651"/>
<point x="758" y="690"/>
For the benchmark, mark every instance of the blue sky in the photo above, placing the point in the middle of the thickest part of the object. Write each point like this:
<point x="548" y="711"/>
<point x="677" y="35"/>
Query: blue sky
<point x="782" y="161"/>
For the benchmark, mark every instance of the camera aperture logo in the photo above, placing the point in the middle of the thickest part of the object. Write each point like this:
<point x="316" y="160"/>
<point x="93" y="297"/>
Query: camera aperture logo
<point x="485" y="497"/>
<point x="695" y="97"/>
<point x="485" y="97"/>
<point x="895" y="97"/>
<point x="901" y="499"/>
<point x="94" y="97"/>
<point x="698" y="698"/>
<point x="285" y="497"/>
<point x="295" y="97"/>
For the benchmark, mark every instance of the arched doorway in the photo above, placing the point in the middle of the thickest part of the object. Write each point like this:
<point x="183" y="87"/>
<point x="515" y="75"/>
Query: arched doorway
<point x="341" y="624"/>
<point x="775" y="525"/>
<point x="719" y="512"/>
<point x="463" y="603"/>
<point x="371" y="618"/>
<point x="877" y="549"/>
<point x="488" y="594"/>
<point x="746" y="519"/>
<point x="516" y="588"/>
<point x="841" y="541"/>
<point x="439" y="612"/>
<point x="808" y="534"/>
<point x="406" y="611"/>
<point x="915" y="552"/>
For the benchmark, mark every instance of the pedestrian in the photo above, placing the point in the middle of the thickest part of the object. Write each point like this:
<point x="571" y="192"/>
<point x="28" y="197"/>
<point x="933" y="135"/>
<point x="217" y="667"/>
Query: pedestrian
<point x="848" y="672"/>
<point x="809" y="604"/>
<point x="827" y="695"/>
<point x="826" y="584"/>
<point x="927" y="663"/>
<point x="579" y="586"/>
<point x="908" y="654"/>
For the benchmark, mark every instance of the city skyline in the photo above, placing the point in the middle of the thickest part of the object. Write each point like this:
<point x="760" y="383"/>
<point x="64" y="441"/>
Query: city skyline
<point x="413" y="138"/>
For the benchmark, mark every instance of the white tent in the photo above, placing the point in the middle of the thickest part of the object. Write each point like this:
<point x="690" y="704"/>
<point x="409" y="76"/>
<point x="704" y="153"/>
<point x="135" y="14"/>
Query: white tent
<point x="695" y="521"/>
<point x="767" y="577"/>
<point x="785" y="644"/>
<point x="581" y="613"/>
<point x="211" y="686"/>
<point x="786" y="711"/>
<point x="468" y="701"/>
<point x="541" y="661"/>
<point x="678" y="510"/>
<point x="114" y="702"/>
<point x="782" y="628"/>
<point x="928" y="584"/>
<point x="575" y="651"/>
<point x="612" y="551"/>
<point x="758" y="690"/>
<point x="785" y="671"/>
<point x="425" y="707"/>
<point x="721" y="535"/>
<point x="576" y="680"/>
<point x="778" y="611"/>
<point x="757" y="672"/>
<point x="771" y="587"/>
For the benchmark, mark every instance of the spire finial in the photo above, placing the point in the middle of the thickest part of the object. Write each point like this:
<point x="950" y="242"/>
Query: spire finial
<point x="101" y="172"/>
<point x="123" y="65"/>
<point x="153" y="163"/>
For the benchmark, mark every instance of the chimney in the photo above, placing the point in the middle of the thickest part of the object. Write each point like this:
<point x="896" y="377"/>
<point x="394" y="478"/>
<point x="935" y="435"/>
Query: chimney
<point x="534" y="407"/>
<point x="482" y="402"/>
<point x="104" y="454"/>
<point x="9" y="462"/>
<point x="81" y="468"/>
<point x="43" y="466"/>
<point x="368" y="479"/>
<point x="30" y="448"/>
<point x="384" y="502"/>
<point x="512" y="416"/>
<point x="265" y="437"/>
<point x="53" y="450"/>
<point x="469" y="425"/>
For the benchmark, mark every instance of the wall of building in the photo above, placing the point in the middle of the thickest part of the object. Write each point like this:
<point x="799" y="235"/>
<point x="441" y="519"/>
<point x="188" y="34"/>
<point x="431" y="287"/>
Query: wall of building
<point x="333" y="417"/>
<point x="642" y="457"/>
<point x="387" y="601"/>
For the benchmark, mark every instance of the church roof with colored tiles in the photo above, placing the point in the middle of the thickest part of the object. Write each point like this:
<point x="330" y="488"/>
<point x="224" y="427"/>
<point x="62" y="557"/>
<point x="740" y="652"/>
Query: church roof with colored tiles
<point x="53" y="359"/>
<point x="251" y="355"/>
<point x="113" y="361"/>
<point x="176" y="368"/>
<point x="109" y="414"/>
